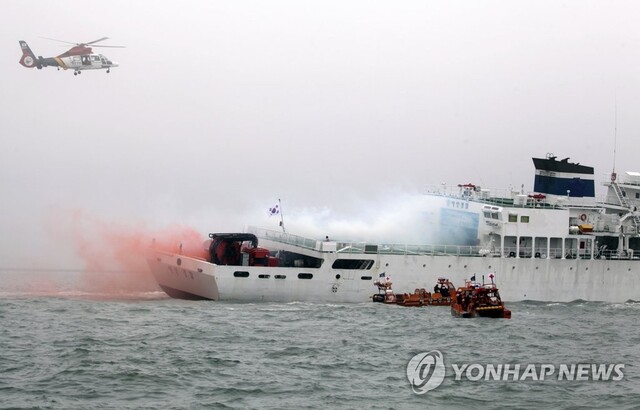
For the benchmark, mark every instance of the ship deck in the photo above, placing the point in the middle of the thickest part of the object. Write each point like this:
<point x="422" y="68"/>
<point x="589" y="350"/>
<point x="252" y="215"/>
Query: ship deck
<point x="347" y="247"/>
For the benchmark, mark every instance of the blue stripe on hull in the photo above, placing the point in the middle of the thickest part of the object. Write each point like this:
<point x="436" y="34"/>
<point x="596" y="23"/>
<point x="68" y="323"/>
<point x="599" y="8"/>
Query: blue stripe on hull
<point x="578" y="187"/>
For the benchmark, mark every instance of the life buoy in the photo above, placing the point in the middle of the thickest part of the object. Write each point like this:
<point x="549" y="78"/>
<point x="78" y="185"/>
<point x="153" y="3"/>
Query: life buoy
<point x="583" y="217"/>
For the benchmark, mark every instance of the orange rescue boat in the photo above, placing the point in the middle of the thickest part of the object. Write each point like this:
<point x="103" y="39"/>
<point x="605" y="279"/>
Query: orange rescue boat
<point x="475" y="299"/>
<point x="442" y="294"/>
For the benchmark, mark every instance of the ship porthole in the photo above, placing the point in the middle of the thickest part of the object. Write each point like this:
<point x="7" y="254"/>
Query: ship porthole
<point x="586" y="268"/>
<point x="179" y="261"/>
<point x="424" y="265"/>
<point x="489" y="266"/>
<point x="386" y="264"/>
<point x="571" y="268"/>
<point x="513" y="267"/>
<point x="465" y="266"/>
<point x="338" y="276"/>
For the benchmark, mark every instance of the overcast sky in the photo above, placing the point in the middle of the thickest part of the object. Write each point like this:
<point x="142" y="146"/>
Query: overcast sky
<point x="219" y="108"/>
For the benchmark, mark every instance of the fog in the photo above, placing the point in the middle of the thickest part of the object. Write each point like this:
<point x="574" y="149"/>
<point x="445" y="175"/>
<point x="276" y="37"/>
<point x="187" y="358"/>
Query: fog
<point x="344" y="110"/>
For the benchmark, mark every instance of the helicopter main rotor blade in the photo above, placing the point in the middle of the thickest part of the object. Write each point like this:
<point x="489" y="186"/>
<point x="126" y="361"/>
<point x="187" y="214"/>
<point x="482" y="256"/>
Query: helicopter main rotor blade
<point x="62" y="41"/>
<point x="91" y="43"/>
<point x="96" y="41"/>
<point x="108" y="46"/>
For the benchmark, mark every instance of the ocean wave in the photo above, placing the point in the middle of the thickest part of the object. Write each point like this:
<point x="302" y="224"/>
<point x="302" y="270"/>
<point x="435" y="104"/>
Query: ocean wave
<point x="170" y="353"/>
<point x="78" y="294"/>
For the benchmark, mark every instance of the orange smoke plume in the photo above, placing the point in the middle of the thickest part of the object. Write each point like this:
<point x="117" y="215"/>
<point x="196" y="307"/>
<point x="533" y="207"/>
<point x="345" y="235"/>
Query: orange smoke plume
<point x="114" y="254"/>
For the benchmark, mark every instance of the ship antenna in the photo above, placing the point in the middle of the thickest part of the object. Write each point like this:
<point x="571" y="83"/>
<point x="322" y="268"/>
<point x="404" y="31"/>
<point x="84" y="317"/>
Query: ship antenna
<point x="615" y="135"/>
<point x="281" y="216"/>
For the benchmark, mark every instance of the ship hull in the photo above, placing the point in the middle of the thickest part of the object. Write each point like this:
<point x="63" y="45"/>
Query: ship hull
<point x="557" y="280"/>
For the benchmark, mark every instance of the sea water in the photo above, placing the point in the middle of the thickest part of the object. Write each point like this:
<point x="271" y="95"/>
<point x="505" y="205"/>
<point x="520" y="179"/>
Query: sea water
<point x="79" y="350"/>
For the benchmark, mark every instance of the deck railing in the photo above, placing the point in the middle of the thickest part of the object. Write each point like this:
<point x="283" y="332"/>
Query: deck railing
<point x="284" y="237"/>
<point x="366" y="247"/>
<point x="434" y="250"/>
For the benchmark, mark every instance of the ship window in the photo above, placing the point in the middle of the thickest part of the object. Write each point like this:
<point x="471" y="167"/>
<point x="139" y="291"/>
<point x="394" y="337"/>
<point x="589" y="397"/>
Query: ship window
<point x="280" y="277"/>
<point x="305" y="275"/>
<point x="487" y="214"/>
<point x="365" y="277"/>
<point x="524" y="219"/>
<point x="264" y="276"/>
<point x="513" y="218"/>
<point x="494" y="215"/>
<point x="241" y="274"/>
<point x="371" y="249"/>
<point x="352" y="264"/>
<point x="637" y="195"/>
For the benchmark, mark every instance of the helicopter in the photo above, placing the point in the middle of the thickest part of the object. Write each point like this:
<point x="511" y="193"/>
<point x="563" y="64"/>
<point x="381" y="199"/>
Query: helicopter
<point x="79" y="58"/>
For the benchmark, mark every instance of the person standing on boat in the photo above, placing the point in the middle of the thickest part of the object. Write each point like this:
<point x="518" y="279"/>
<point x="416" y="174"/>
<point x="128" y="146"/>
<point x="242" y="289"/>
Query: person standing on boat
<point x="390" y="297"/>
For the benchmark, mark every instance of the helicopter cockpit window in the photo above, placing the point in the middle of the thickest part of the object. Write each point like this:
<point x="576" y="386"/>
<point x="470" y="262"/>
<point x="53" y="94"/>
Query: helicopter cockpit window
<point x="95" y="58"/>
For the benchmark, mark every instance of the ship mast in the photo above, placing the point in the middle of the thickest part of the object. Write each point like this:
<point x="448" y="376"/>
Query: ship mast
<point x="281" y="216"/>
<point x="615" y="136"/>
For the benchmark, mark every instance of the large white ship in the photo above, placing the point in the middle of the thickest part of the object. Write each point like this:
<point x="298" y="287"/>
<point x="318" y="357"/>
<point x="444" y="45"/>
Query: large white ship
<point x="555" y="244"/>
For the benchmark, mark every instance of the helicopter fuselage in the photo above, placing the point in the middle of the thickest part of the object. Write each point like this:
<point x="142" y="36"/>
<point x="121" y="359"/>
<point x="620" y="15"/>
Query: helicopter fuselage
<point x="77" y="62"/>
<point x="78" y="59"/>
